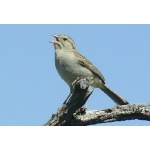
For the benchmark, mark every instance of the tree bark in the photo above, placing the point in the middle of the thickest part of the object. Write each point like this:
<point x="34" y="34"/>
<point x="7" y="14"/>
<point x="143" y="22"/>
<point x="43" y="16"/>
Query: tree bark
<point x="74" y="113"/>
<point x="74" y="102"/>
<point x="117" y="113"/>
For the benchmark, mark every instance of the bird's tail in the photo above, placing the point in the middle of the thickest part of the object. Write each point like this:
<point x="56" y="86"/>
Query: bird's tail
<point x="115" y="97"/>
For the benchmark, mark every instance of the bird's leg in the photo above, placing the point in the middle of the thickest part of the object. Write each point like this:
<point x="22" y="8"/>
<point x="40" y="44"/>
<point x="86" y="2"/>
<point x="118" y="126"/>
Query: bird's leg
<point x="71" y="89"/>
<point x="68" y="97"/>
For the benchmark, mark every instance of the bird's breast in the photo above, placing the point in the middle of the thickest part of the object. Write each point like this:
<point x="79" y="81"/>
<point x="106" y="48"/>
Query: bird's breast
<point x="68" y="67"/>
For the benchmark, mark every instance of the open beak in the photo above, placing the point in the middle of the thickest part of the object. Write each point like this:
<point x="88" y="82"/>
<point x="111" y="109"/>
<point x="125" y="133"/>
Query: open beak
<point x="56" y="41"/>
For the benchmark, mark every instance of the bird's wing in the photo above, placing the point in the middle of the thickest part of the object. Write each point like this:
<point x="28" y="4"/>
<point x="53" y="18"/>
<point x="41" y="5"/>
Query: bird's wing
<point x="87" y="64"/>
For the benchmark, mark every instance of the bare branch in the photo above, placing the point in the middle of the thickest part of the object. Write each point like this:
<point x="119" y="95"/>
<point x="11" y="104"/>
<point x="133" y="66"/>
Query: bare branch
<point x="117" y="113"/>
<point x="73" y="112"/>
<point x="73" y="103"/>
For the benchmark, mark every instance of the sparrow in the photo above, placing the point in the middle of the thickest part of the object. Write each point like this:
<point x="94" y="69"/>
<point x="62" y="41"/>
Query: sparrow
<point x="70" y="65"/>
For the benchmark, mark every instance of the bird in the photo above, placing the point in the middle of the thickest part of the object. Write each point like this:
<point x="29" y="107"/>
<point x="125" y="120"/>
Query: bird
<point x="71" y="65"/>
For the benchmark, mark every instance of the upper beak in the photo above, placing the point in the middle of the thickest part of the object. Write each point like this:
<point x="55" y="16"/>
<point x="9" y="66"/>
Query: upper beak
<point x="55" y="36"/>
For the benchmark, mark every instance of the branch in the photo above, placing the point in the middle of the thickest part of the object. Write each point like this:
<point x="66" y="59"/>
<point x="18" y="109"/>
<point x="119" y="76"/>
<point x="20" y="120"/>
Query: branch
<point x="73" y="113"/>
<point x="117" y="113"/>
<point x="72" y="104"/>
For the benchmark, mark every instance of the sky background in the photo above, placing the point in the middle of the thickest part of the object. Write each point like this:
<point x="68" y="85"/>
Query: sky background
<point x="31" y="89"/>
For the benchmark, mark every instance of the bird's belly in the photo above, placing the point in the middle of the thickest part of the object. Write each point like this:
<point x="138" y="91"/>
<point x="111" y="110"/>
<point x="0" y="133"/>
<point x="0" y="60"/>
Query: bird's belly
<point x="70" y="71"/>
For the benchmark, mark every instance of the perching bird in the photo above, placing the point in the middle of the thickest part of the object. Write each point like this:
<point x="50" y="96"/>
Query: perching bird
<point x="70" y="65"/>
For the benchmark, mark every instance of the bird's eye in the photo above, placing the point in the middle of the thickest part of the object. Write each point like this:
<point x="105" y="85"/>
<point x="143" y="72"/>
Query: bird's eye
<point x="64" y="39"/>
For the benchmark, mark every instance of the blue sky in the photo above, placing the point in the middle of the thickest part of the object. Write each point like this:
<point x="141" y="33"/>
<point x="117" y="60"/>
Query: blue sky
<point x="31" y="89"/>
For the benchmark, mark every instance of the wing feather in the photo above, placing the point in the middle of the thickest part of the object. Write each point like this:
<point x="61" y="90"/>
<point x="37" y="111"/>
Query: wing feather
<point x="86" y="63"/>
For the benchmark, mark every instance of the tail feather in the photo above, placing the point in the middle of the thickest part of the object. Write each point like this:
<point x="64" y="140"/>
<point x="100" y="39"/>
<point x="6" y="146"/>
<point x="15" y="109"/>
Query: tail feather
<point x="115" y="97"/>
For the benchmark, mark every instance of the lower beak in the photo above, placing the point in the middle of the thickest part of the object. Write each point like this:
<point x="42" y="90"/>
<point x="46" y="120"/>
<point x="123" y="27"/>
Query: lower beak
<point x="54" y="42"/>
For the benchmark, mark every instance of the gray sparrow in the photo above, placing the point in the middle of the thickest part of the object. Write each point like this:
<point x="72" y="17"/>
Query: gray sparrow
<point x="70" y="65"/>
